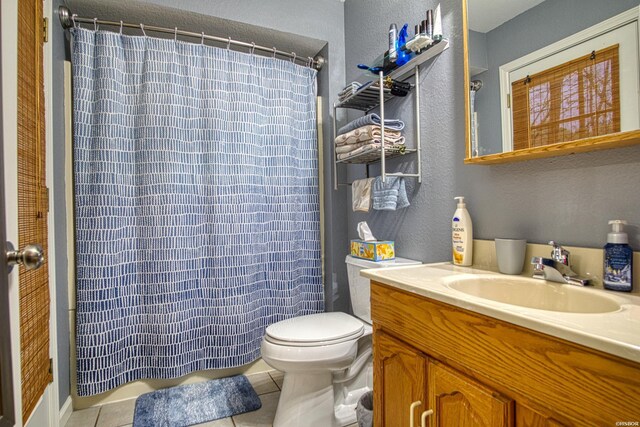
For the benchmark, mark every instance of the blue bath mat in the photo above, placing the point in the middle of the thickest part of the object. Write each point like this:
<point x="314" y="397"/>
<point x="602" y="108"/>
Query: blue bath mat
<point x="190" y="404"/>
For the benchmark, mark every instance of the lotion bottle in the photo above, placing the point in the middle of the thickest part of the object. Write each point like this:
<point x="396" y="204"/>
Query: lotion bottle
<point x="462" y="235"/>
<point x="618" y="259"/>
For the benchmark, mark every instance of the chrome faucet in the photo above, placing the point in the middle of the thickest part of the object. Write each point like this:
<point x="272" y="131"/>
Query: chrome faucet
<point x="556" y="268"/>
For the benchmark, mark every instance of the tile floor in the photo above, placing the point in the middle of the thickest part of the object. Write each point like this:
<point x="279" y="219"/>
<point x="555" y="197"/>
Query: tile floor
<point x="120" y="414"/>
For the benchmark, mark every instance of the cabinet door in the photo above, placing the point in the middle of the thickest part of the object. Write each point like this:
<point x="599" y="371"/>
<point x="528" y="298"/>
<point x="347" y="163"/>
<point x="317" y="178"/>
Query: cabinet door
<point x="458" y="401"/>
<point x="399" y="380"/>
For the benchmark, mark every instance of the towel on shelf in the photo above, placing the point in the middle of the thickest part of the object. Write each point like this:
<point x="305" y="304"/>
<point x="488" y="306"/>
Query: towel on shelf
<point x="351" y="87"/>
<point x="372" y="145"/>
<point x="389" y="195"/>
<point x="341" y="149"/>
<point x="349" y="90"/>
<point x="371" y="119"/>
<point x="366" y="133"/>
<point x="361" y="194"/>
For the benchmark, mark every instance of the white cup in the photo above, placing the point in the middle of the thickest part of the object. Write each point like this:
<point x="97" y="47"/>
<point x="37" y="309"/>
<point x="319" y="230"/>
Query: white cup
<point x="510" y="254"/>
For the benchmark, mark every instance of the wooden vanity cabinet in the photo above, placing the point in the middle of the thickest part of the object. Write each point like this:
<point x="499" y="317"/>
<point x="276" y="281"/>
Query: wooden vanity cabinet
<point x="474" y="370"/>
<point x="458" y="401"/>
<point x="405" y="376"/>
<point x="400" y="376"/>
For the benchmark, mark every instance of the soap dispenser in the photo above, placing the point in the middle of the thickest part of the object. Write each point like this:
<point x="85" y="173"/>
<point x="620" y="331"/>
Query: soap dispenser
<point x="462" y="234"/>
<point x="618" y="259"/>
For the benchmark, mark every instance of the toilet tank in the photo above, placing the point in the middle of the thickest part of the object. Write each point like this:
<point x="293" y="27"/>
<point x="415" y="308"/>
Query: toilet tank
<point x="359" y="287"/>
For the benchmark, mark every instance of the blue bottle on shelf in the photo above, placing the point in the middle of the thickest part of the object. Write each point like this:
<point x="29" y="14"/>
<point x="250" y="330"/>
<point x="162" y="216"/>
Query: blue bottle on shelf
<point x="618" y="259"/>
<point x="403" y="57"/>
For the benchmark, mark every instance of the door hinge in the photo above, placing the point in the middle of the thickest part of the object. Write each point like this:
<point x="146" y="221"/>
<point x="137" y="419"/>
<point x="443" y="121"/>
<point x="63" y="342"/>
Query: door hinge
<point x="508" y="100"/>
<point x="51" y="368"/>
<point x="45" y="29"/>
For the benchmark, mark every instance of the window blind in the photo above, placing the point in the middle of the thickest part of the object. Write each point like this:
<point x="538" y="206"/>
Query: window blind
<point x="575" y="100"/>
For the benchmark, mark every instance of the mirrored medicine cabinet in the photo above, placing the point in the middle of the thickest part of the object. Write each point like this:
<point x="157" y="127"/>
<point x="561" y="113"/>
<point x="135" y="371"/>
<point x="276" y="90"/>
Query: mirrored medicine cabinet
<point x="543" y="80"/>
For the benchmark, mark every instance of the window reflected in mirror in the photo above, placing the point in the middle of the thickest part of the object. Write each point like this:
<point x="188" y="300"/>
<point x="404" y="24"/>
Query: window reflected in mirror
<point x="575" y="100"/>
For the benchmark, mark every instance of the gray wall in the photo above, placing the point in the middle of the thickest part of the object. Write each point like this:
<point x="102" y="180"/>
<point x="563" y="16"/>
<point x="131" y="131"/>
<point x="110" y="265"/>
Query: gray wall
<point x="568" y="199"/>
<point x="477" y="52"/>
<point x="536" y="28"/>
<point x="322" y="20"/>
<point x="423" y="230"/>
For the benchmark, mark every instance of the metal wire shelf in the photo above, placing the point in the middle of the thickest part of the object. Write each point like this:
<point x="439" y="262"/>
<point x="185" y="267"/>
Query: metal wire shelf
<point x="366" y="98"/>
<point x="374" y="155"/>
<point x="371" y="96"/>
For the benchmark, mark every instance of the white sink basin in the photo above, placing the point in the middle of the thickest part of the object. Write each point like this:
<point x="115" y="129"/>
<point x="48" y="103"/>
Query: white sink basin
<point x="534" y="293"/>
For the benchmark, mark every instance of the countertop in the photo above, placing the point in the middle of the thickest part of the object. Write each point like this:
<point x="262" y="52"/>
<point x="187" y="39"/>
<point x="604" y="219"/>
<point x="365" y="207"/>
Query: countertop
<point x="616" y="332"/>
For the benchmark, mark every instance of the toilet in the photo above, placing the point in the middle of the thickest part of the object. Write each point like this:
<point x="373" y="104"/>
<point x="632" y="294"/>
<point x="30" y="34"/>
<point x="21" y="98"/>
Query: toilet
<point x="326" y="358"/>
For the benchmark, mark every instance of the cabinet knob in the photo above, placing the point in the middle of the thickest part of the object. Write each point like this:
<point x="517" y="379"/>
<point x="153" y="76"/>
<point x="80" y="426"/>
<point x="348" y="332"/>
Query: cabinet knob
<point x="425" y="414"/>
<point x="412" y="408"/>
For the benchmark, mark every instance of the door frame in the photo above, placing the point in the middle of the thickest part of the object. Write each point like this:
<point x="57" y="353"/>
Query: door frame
<point x="47" y="66"/>
<point x="6" y="381"/>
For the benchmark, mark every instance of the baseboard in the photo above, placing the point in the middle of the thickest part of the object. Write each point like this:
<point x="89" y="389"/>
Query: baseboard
<point x="65" y="412"/>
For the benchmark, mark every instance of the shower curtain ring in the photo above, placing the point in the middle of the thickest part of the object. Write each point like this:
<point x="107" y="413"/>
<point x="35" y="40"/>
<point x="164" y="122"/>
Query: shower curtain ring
<point x="310" y="61"/>
<point x="253" y="47"/>
<point x="121" y="27"/>
<point x="175" y="34"/>
<point x="202" y="40"/>
<point x="95" y="24"/>
<point x="229" y="43"/>
<point x="274" y="52"/>
<point x="73" y="19"/>
<point x="142" y="28"/>
<point x="294" y="57"/>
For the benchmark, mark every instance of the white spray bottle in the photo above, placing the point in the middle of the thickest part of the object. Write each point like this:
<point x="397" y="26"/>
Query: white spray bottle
<point x="462" y="235"/>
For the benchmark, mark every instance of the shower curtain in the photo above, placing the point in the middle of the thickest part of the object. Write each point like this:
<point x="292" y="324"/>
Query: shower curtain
<point x="196" y="205"/>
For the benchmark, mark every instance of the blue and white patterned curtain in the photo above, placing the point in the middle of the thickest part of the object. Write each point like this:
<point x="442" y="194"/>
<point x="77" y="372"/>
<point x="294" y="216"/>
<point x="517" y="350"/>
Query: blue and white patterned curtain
<point x="196" y="203"/>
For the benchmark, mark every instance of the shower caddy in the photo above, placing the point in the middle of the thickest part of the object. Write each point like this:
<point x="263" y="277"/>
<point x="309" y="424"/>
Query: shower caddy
<point x="371" y="97"/>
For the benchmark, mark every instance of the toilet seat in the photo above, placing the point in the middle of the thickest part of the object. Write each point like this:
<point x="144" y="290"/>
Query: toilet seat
<point x="315" y="330"/>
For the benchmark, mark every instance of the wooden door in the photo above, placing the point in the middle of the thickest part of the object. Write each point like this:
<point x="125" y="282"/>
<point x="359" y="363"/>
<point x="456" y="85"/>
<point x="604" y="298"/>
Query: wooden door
<point x="32" y="206"/>
<point x="458" y="401"/>
<point x="399" y="379"/>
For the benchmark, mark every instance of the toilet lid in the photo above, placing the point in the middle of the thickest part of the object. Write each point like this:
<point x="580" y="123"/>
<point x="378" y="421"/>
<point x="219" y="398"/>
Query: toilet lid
<point x="315" y="329"/>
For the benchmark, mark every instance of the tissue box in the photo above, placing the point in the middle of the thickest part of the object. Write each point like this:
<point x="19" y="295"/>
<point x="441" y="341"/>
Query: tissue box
<point x="374" y="251"/>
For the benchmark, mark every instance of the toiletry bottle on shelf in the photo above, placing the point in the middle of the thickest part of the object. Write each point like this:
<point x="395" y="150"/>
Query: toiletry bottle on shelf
<point x="437" y="25"/>
<point x="393" y="38"/>
<point x="618" y="259"/>
<point x="462" y="234"/>
<point x="403" y="57"/>
<point x="429" y="24"/>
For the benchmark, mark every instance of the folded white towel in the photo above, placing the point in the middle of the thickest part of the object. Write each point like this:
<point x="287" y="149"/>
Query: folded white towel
<point x="361" y="194"/>
<point x="372" y="145"/>
<point x="366" y="133"/>
<point x="341" y="149"/>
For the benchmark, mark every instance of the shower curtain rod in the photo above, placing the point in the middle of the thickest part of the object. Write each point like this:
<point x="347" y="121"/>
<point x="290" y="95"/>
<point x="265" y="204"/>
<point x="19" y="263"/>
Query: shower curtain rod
<point x="68" y="20"/>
